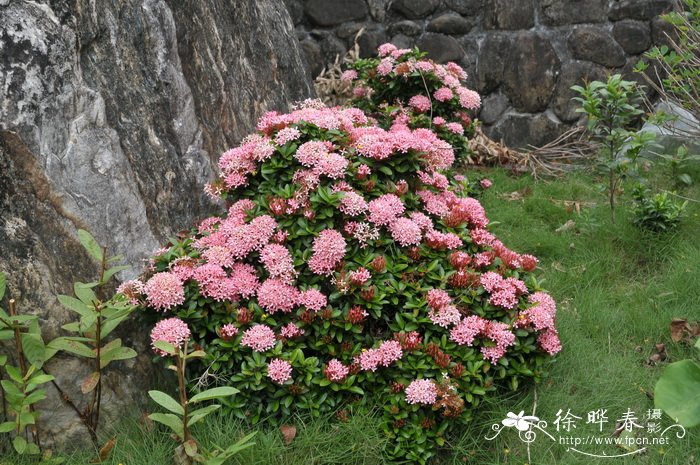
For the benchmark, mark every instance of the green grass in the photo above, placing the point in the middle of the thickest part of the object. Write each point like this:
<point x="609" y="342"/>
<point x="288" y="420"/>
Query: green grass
<point x="617" y="290"/>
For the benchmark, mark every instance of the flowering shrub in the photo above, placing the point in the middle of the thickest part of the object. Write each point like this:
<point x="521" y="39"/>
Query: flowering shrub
<point x="353" y="267"/>
<point x="401" y="86"/>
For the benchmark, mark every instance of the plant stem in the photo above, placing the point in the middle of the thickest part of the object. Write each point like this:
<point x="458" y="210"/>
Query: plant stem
<point x="23" y="367"/>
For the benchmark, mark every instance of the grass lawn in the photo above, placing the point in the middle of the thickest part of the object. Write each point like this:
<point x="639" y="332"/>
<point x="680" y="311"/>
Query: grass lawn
<point x="617" y="290"/>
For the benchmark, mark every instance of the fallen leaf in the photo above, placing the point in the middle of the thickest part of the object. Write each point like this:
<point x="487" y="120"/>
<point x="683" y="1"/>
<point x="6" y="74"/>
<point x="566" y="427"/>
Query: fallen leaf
<point x="682" y="329"/>
<point x="103" y="454"/>
<point x="289" y="432"/>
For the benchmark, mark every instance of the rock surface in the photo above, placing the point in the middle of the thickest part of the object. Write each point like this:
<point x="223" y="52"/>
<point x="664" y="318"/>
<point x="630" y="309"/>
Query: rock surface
<point x="112" y="116"/>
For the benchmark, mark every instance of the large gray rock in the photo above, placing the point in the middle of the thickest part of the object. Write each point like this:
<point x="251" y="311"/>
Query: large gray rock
<point x="521" y="131"/>
<point x="450" y="24"/>
<point x="563" y="12"/>
<point x="529" y="83"/>
<point x="597" y="45"/>
<point x="112" y="115"/>
<point x="415" y="9"/>
<point x="465" y="7"/>
<point x="407" y="28"/>
<point x="440" y="48"/>
<point x="332" y="12"/>
<point x="638" y="9"/>
<point x="506" y="14"/>
<point x="491" y="60"/>
<point x="633" y="36"/>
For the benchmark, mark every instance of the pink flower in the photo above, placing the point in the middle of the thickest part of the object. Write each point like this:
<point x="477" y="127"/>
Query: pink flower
<point x="164" y="291"/>
<point x="445" y="316"/>
<point x="228" y="331"/>
<point x="390" y="352"/>
<point x="278" y="262"/>
<point x="541" y="314"/>
<point x="349" y="75"/>
<point x="502" y="336"/>
<point x="549" y="341"/>
<point x="359" y="276"/>
<point x="485" y="183"/>
<point x="421" y="391"/>
<point x="279" y="370"/>
<point x="218" y="255"/>
<point x="438" y="298"/>
<point x="386" y="49"/>
<point x="422" y="220"/>
<point x="385" y="66"/>
<point x="443" y="94"/>
<point x="335" y="371"/>
<point x="172" y="330"/>
<point x="290" y="331"/>
<point x="275" y="296"/>
<point x="439" y="121"/>
<point x="405" y="232"/>
<point x="352" y="204"/>
<point x="466" y="330"/>
<point x="328" y="250"/>
<point x="363" y="171"/>
<point x="132" y="290"/>
<point x="287" y="135"/>
<point x="385" y="209"/>
<point x="313" y="299"/>
<point x="420" y="103"/>
<point x="468" y="98"/>
<point x="455" y="128"/>
<point x="259" y="338"/>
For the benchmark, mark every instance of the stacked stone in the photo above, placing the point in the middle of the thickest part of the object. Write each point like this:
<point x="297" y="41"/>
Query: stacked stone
<point x="522" y="56"/>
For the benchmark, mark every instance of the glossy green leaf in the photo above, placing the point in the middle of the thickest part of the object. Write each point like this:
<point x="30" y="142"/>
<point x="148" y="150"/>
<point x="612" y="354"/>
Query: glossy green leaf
<point x="91" y="245"/>
<point x="171" y="421"/>
<point x="166" y="402"/>
<point x="74" y="304"/>
<point x="214" y="393"/>
<point x="34" y="349"/>
<point x="73" y="347"/>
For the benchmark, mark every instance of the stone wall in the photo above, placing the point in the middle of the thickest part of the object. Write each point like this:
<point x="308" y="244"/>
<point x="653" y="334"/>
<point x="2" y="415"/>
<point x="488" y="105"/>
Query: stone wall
<point x="112" y="117"/>
<point x="521" y="55"/>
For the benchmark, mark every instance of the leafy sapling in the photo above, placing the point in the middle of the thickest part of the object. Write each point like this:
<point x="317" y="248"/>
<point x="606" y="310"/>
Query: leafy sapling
<point x="97" y="320"/>
<point x="23" y="388"/>
<point x="170" y="338"/>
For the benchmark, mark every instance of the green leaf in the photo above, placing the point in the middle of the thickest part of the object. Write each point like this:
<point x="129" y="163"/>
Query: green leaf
<point x="114" y="321"/>
<point x="190" y="447"/>
<point x="3" y="360"/>
<point x="166" y="402"/>
<point x="199" y="414"/>
<point x="165" y="347"/>
<point x="20" y="444"/>
<point x="118" y="353"/>
<point x="7" y="427"/>
<point x="112" y="271"/>
<point x="678" y="392"/>
<point x="215" y="393"/>
<point x="74" y="304"/>
<point x="14" y="373"/>
<point x="35" y="397"/>
<point x="3" y="284"/>
<point x="91" y="245"/>
<point x="73" y="347"/>
<point x="85" y="294"/>
<point x="169" y="420"/>
<point x="34" y="349"/>
<point x="6" y="334"/>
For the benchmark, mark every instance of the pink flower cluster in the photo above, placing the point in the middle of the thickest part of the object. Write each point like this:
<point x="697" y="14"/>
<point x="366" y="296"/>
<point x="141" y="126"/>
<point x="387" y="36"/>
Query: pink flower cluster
<point x="420" y="103"/>
<point x="228" y="331"/>
<point x="475" y="326"/>
<point x="442" y="312"/>
<point x="172" y="330"/>
<point x="541" y="315"/>
<point x="164" y="291"/>
<point x="259" y="338"/>
<point x="385" y="209"/>
<point x="504" y="292"/>
<point x="328" y="250"/>
<point x="313" y="299"/>
<point x="275" y="296"/>
<point x="405" y="231"/>
<point x="335" y="371"/>
<point x="421" y="391"/>
<point x="279" y="370"/>
<point x="278" y="262"/>
<point x="387" y="353"/>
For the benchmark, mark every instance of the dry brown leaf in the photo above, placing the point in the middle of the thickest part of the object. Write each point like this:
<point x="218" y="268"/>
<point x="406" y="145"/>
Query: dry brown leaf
<point x="105" y="451"/>
<point x="681" y="329"/>
<point x="90" y="382"/>
<point x="289" y="432"/>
